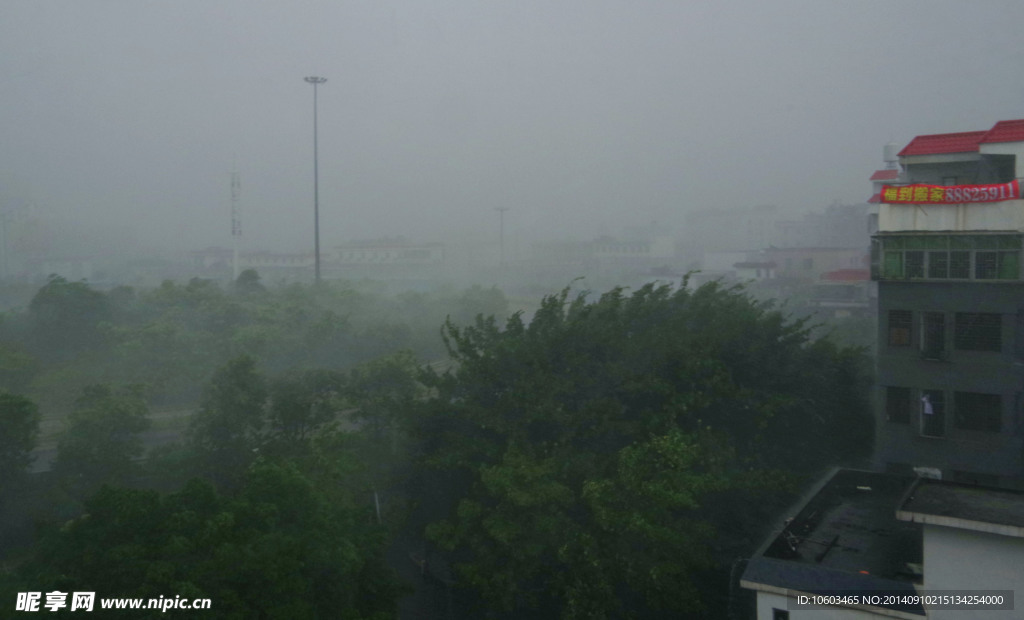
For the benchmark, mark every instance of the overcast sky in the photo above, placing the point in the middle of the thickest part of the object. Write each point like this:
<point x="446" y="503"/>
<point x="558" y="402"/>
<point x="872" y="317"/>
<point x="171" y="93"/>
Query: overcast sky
<point x="582" y="117"/>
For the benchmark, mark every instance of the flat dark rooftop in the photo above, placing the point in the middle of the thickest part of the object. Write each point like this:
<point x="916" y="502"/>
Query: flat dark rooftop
<point x="845" y="538"/>
<point x="970" y="507"/>
<point x="850" y="525"/>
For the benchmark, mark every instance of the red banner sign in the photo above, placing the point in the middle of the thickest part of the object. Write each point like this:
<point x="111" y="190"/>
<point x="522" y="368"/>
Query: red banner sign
<point x="950" y="194"/>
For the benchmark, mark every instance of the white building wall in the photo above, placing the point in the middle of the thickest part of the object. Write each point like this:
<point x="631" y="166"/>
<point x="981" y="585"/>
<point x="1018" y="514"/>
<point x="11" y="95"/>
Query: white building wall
<point x="1006" y="148"/>
<point x="1005" y="215"/>
<point x="957" y="559"/>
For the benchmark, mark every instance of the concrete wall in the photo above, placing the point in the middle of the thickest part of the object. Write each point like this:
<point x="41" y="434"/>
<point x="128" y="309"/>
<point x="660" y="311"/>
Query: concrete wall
<point x="1007" y="215"/>
<point x="965" y="172"/>
<point x="1007" y="148"/>
<point x="957" y="559"/>
<point x="961" y="371"/>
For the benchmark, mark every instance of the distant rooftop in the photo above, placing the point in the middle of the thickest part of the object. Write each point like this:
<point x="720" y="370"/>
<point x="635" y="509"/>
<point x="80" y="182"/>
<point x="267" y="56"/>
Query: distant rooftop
<point x="386" y="242"/>
<point x="885" y="175"/>
<point x="845" y="538"/>
<point x="1005" y="131"/>
<point x="983" y="509"/>
<point x="935" y="144"/>
<point x="963" y="142"/>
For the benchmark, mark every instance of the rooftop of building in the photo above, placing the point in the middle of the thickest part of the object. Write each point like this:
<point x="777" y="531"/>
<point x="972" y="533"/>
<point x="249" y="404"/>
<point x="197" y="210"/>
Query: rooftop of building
<point x="963" y="142"/>
<point x="885" y="175"/>
<point x="386" y="243"/>
<point x="941" y="143"/>
<point x="844" y="538"/>
<point x="1005" y="131"/>
<point x="982" y="509"/>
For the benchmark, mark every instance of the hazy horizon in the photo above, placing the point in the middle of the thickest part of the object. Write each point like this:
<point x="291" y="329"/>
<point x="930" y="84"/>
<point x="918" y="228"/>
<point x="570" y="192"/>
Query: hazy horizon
<point x="122" y="119"/>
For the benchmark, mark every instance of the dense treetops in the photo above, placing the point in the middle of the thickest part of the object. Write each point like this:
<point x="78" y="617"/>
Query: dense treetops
<point x="608" y="457"/>
<point x="581" y="461"/>
<point x="173" y="337"/>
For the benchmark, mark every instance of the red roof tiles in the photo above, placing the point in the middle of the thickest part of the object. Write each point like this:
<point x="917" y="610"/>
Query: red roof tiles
<point x="1005" y="131"/>
<point x="963" y="142"/>
<point x="885" y="175"/>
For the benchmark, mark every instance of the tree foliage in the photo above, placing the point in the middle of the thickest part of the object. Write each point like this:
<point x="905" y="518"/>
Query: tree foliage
<point x="19" y="421"/>
<point x="100" y="443"/>
<point x="173" y="337"/>
<point x="302" y="403"/>
<point x="577" y="461"/>
<point x="66" y="315"/>
<point x="279" y="548"/>
<point x="227" y="431"/>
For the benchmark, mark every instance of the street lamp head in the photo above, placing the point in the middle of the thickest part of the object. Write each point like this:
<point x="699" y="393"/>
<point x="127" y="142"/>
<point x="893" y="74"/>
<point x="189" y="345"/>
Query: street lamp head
<point x="315" y="80"/>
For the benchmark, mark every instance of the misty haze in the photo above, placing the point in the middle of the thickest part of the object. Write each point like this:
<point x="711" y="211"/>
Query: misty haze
<point x="509" y="310"/>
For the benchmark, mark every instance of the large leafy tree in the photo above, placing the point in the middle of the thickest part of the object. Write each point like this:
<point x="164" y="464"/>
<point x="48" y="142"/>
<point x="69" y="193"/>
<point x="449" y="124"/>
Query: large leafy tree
<point x="282" y="547"/>
<point x="19" y="421"/>
<point x="302" y="404"/>
<point x="65" y="315"/>
<point x="576" y="465"/>
<point x="227" y="431"/>
<point x="101" y="442"/>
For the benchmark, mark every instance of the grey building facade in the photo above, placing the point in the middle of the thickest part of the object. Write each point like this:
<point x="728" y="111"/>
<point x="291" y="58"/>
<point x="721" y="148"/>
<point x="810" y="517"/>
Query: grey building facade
<point x="950" y="366"/>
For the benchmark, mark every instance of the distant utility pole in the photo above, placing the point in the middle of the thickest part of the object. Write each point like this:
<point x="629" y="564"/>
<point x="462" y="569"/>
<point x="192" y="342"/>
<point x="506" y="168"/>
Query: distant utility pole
<point x="501" y="232"/>
<point x="316" y="81"/>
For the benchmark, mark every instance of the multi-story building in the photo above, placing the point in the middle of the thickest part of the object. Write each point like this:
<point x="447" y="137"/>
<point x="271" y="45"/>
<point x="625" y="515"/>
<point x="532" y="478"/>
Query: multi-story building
<point x="950" y="395"/>
<point x="947" y="259"/>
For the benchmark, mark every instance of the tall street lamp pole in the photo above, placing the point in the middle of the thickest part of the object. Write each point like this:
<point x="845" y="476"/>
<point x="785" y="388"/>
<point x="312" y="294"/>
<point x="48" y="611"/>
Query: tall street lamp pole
<point x="315" y="81"/>
<point x="501" y="233"/>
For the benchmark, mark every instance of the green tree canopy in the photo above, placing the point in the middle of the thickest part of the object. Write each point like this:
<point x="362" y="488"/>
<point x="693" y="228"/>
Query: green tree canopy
<point x="227" y="431"/>
<point x="279" y="548"/>
<point x="65" y="315"/>
<point x="575" y="464"/>
<point x="248" y="283"/>
<point x="19" y="421"/>
<point x="101" y="443"/>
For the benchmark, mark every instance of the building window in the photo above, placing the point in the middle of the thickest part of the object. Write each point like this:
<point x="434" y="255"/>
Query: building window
<point x="897" y="404"/>
<point x="942" y="257"/>
<point x="779" y="614"/>
<point x="933" y="335"/>
<point x="892" y="267"/>
<point x="938" y="265"/>
<point x="996" y="265"/>
<point x="960" y="265"/>
<point x="914" y="263"/>
<point x="1018" y="336"/>
<point x="974" y="331"/>
<point x="978" y="412"/>
<point x="900" y="322"/>
<point x="933" y="413"/>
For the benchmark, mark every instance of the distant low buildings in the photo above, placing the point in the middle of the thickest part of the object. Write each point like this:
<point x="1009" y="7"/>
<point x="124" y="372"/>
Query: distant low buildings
<point x="388" y="251"/>
<point x="380" y="258"/>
